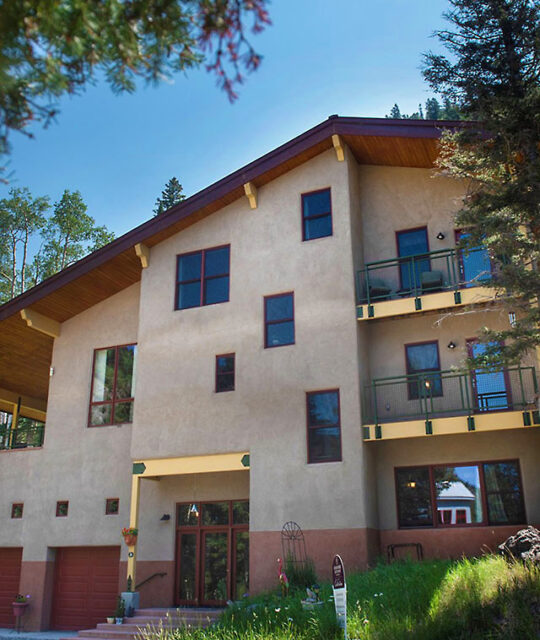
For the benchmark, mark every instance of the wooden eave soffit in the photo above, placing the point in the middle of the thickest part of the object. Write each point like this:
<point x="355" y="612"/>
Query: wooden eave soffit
<point x="251" y="192"/>
<point x="41" y="323"/>
<point x="338" y="146"/>
<point x="143" y="253"/>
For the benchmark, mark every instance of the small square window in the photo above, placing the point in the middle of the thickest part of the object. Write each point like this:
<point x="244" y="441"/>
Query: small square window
<point x="279" y="320"/>
<point x="316" y="214"/>
<point x="225" y="373"/>
<point x="62" y="508"/>
<point x="111" y="506"/>
<point x="323" y="426"/>
<point x="17" y="510"/>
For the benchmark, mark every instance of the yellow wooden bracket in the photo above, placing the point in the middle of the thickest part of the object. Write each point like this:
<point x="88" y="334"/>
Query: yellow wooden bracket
<point x="338" y="146"/>
<point x="36" y="321"/>
<point x="251" y="193"/>
<point x="143" y="253"/>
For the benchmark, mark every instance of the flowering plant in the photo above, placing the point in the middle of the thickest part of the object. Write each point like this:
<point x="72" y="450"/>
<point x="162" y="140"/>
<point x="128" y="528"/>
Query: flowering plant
<point x="20" y="598"/>
<point x="130" y="531"/>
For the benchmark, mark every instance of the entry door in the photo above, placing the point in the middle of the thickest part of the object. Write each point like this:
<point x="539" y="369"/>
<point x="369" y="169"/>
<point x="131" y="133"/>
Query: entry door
<point x="491" y="389"/>
<point x="212" y="552"/>
<point x="474" y="264"/>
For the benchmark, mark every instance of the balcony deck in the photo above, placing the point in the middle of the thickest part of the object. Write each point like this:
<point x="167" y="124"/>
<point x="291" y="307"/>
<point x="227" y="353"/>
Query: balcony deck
<point x="448" y="402"/>
<point x="424" y="282"/>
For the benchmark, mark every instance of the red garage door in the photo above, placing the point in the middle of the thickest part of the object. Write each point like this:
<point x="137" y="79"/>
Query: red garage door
<point x="85" y="586"/>
<point x="10" y="573"/>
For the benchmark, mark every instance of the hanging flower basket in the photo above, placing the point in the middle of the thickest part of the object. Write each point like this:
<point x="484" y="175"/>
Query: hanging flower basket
<point x="130" y="536"/>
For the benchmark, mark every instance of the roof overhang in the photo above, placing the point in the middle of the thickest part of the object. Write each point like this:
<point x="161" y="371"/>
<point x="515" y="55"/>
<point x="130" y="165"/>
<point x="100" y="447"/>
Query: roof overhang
<point x="26" y="353"/>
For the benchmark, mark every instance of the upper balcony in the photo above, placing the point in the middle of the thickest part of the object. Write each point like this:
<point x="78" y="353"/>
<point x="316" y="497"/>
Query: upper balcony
<point x="27" y="432"/>
<point x="449" y="402"/>
<point x="423" y="282"/>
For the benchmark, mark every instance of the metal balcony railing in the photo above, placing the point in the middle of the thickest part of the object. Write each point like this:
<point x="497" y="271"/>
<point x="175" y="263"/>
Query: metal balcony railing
<point x="413" y="276"/>
<point x="437" y="394"/>
<point x="21" y="437"/>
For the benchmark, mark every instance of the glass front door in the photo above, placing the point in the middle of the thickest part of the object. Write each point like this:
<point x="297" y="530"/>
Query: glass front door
<point x="212" y="552"/>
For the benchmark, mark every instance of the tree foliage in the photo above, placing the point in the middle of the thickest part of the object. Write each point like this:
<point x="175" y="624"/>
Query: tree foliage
<point x="492" y="73"/>
<point x="49" y="48"/>
<point x="171" y="195"/>
<point x="433" y="110"/>
<point x="63" y="237"/>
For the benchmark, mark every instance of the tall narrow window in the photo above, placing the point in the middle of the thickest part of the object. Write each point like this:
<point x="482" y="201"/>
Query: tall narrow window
<point x="474" y="263"/>
<point x="504" y="493"/>
<point x="316" y="214"/>
<point x="225" y="373"/>
<point x="202" y="278"/>
<point x="423" y="358"/>
<point x="412" y="242"/>
<point x="113" y="383"/>
<point x="323" y="426"/>
<point x="279" y="320"/>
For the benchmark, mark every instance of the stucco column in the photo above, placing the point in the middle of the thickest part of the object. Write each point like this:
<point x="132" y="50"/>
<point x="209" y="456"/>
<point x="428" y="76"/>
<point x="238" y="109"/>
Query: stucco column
<point x="133" y="522"/>
<point x="37" y="581"/>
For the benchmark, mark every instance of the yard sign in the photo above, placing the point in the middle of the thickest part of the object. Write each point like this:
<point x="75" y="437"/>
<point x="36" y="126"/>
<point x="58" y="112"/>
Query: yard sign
<point x="340" y="593"/>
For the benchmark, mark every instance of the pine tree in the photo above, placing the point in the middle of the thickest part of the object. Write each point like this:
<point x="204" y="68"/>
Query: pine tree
<point x="492" y="75"/>
<point x="171" y="195"/>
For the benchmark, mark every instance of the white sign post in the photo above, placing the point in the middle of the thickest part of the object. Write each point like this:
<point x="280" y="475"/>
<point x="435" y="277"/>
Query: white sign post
<point x="340" y="593"/>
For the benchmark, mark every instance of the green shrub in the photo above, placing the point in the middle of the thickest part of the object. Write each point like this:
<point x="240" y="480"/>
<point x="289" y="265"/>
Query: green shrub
<point x="300" y="574"/>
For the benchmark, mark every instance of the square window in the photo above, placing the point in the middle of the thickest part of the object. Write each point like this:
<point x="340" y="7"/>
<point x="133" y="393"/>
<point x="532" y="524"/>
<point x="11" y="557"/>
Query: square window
<point x="113" y="386"/>
<point x="202" y="278"/>
<point x="111" y="506"/>
<point x="62" y="507"/>
<point x="279" y="320"/>
<point x="422" y="359"/>
<point x="17" y="510"/>
<point x="316" y="214"/>
<point x="323" y="426"/>
<point x="225" y="373"/>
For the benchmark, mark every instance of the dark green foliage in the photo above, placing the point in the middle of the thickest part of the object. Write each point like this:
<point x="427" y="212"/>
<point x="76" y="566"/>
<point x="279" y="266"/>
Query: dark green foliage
<point x="49" y="49"/>
<point x="300" y="574"/>
<point x="171" y="195"/>
<point x="492" y="74"/>
<point x="433" y="111"/>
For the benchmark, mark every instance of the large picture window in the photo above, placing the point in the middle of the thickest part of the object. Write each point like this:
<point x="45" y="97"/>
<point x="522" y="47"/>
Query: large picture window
<point x="323" y="426"/>
<point x="113" y="384"/>
<point x="485" y="493"/>
<point x="202" y="278"/>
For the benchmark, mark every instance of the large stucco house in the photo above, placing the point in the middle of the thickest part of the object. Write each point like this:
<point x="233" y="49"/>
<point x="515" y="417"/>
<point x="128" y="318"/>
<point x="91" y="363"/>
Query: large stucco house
<point x="278" y="347"/>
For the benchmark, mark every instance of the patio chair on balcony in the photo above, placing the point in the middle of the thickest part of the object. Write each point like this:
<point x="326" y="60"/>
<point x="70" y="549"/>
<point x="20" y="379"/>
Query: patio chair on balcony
<point x="431" y="281"/>
<point x="378" y="289"/>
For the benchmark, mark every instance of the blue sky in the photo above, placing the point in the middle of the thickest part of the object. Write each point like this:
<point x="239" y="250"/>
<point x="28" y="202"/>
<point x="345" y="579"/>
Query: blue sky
<point x="350" y="57"/>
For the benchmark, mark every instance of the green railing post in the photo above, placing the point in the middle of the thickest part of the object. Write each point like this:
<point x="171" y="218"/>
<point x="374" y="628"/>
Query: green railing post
<point x="367" y="286"/>
<point x="374" y="393"/>
<point x="520" y="373"/>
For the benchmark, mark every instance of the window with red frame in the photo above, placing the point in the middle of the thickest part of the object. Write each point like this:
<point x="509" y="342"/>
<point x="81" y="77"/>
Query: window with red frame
<point x="225" y="373"/>
<point x="323" y="426"/>
<point x="17" y="510"/>
<point x="481" y="494"/>
<point x="62" y="507"/>
<point x="278" y="320"/>
<point x="113" y="384"/>
<point x="316" y="214"/>
<point x="112" y="506"/>
<point x="202" y="277"/>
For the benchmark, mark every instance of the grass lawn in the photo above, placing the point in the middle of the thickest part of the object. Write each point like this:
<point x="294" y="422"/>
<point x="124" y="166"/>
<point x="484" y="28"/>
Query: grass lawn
<point x="484" y="598"/>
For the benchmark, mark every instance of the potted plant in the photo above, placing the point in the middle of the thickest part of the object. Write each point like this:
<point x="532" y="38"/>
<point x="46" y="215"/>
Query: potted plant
<point x="19" y="604"/>
<point x="120" y="610"/>
<point x="130" y="536"/>
<point x="110" y="620"/>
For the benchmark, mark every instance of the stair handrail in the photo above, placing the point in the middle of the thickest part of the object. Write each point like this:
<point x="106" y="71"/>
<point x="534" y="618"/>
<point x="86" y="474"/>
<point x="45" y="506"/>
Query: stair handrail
<point x="161" y="574"/>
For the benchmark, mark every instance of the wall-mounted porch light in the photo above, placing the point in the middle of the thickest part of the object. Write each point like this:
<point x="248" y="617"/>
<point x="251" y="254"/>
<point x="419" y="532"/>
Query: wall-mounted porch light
<point x="165" y="517"/>
<point x="440" y="236"/>
<point x="451" y="345"/>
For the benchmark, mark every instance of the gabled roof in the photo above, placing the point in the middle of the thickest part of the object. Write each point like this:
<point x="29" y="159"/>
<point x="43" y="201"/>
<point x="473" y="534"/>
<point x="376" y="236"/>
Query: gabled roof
<point x="26" y="354"/>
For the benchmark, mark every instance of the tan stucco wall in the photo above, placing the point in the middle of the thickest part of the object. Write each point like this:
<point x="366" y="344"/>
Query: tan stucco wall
<point x="470" y="447"/>
<point x="399" y="198"/>
<point x="266" y="414"/>
<point x="82" y="465"/>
